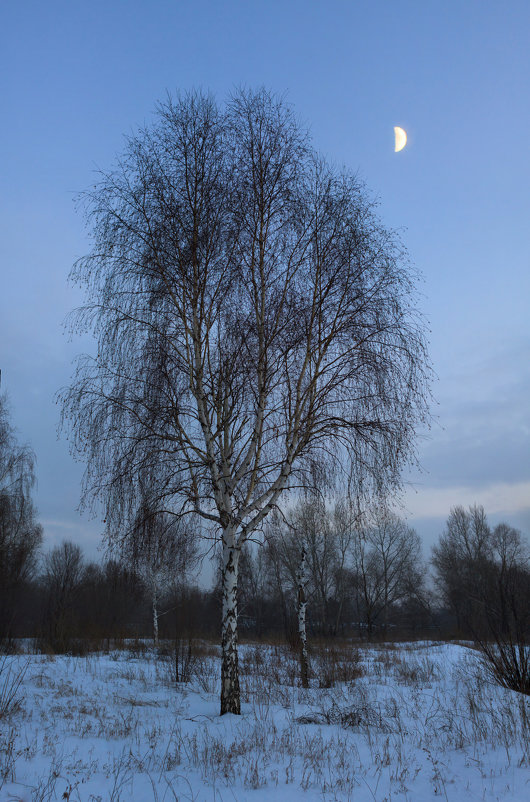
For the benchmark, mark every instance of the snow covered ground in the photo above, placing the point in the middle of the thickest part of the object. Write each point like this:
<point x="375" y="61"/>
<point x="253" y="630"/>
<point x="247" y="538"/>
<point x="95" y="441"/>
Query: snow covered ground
<point x="412" y="722"/>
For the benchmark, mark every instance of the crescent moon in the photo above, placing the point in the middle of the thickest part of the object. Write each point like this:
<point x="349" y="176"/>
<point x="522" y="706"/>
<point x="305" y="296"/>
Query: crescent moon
<point x="400" y="138"/>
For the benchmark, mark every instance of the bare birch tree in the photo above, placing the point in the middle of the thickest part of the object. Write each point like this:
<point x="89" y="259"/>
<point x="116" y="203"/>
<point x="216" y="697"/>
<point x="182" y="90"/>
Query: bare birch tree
<point x="252" y="315"/>
<point x="309" y="525"/>
<point x="324" y="528"/>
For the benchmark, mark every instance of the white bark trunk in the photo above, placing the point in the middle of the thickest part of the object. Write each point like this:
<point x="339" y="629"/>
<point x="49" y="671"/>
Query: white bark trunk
<point x="302" y="606"/>
<point x="230" y="696"/>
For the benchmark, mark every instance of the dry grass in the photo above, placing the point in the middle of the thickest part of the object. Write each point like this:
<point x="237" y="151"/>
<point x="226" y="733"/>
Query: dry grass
<point x="12" y="672"/>
<point x="371" y="722"/>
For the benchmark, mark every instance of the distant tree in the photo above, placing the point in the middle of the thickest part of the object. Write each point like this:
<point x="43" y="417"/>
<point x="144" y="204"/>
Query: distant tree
<point x="278" y="566"/>
<point x="323" y="529"/>
<point x="483" y="575"/>
<point x="162" y="548"/>
<point x="312" y="532"/>
<point x="321" y="532"/>
<point x="465" y="544"/>
<point x="505" y="607"/>
<point x="252" y="316"/>
<point x="62" y="581"/>
<point x="387" y="566"/>
<point x="253" y="586"/>
<point x="111" y="603"/>
<point x="344" y="518"/>
<point x="20" y="534"/>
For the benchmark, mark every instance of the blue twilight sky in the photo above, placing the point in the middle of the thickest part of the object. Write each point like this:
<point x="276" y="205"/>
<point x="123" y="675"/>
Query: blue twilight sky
<point x="77" y="75"/>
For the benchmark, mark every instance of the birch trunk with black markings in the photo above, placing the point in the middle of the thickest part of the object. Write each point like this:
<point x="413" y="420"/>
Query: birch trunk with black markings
<point x="230" y="694"/>
<point x="302" y="605"/>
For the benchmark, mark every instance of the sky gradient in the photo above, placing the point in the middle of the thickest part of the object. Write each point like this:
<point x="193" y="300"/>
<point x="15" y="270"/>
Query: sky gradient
<point x="76" y="77"/>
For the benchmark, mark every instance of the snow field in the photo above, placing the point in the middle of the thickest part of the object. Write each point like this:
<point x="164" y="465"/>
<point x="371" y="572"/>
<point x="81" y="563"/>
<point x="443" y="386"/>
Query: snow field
<point x="411" y="722"/>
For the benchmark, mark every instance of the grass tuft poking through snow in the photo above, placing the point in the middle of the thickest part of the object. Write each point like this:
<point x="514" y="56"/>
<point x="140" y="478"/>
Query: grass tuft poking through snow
<point x="410" y="722"/>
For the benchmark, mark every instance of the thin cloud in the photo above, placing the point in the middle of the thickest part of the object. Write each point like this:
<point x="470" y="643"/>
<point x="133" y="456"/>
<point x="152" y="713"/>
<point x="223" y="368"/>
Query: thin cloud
<point x="498" y="498"/>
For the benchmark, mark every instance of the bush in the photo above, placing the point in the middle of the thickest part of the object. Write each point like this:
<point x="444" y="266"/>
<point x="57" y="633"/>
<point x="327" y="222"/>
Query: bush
<point x="11" y="676"/>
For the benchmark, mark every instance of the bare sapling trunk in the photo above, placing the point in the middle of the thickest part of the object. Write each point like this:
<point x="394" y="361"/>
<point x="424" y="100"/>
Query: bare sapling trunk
<point x="230" y="696"/>
<point x="302" y="604"/>
<point x="339" y="615"/>
<point x="155" y="616"/>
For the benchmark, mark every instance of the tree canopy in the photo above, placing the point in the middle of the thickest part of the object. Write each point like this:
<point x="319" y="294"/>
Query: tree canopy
<point x="253" y="317"/>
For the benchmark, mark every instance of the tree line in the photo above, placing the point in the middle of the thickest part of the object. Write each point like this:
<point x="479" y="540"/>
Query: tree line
<point x="362" y="576"/>
<point x="318" y="568"/>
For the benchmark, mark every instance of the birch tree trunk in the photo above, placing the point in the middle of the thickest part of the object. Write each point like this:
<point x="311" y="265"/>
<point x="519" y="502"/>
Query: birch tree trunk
<point x="302" y="604"/>
<point x="155" y="615"/>
<point x="230" y="694"/>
